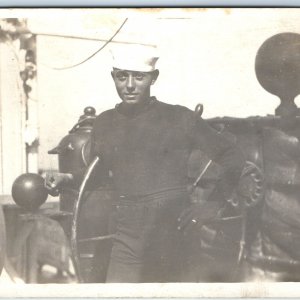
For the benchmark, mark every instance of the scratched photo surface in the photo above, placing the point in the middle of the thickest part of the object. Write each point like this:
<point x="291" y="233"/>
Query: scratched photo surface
<point x="154" y="146"/>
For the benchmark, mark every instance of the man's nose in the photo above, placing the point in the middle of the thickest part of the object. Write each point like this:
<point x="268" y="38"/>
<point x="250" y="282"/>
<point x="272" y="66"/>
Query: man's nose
<point x="130" y="84"/>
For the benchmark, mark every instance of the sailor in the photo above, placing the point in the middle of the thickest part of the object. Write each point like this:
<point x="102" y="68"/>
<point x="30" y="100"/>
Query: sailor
<point x="144" y="144"/>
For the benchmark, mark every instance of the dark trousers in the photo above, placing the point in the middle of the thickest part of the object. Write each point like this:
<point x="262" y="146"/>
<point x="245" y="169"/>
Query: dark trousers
<point x="147" y="246"/>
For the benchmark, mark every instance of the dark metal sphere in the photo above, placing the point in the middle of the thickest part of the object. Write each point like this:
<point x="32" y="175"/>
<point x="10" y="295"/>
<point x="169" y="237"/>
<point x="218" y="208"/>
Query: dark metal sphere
<point x="277" y="67"/>
<point x="89" y="111"/>
<point x="29" y="192"/>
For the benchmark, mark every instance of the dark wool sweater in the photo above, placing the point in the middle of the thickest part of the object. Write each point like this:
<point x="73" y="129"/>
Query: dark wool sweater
<point x="147" y="149"/>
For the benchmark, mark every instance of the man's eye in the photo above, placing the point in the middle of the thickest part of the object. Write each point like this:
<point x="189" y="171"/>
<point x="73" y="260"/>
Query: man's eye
<point x="121" y="77"/>
<point x="139" y="77"/>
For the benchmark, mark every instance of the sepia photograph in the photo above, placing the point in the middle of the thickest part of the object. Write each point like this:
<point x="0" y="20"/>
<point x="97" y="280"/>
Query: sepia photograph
<point x="153" y="147"/>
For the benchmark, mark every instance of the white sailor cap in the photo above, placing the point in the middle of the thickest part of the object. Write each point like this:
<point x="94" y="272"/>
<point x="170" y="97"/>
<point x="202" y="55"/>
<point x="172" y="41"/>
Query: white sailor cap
<point x="135" y="57"/>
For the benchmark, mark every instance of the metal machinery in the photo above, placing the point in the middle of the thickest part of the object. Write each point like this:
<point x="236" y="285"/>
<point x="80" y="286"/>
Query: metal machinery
<point x="269" y="245"/>
<point x="73" y="153"/>
<point x="256" y="234"/>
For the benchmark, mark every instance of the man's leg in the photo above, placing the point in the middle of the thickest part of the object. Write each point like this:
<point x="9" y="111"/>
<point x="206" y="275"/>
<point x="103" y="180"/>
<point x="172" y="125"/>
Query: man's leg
<point x="126" y="260"/>
<point x="119" y="272"/>
<point x="164" y="257"/>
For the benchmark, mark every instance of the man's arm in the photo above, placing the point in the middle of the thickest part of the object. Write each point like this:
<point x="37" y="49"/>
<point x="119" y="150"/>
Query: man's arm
<point x="231" y="159"/>
<point x="222" y="151"/>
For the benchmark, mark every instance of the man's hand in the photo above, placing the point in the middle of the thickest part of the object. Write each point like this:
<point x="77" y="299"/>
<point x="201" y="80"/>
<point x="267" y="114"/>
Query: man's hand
<point x="198" y="214"/>
<point x="54" y="181"/>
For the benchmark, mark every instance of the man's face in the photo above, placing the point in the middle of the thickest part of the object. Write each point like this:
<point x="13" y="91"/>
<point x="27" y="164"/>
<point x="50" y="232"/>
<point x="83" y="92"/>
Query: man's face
<point x="133" y="87"/>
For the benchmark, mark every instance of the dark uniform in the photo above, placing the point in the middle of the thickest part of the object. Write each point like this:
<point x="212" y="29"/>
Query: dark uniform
<point x="146" y="150"/>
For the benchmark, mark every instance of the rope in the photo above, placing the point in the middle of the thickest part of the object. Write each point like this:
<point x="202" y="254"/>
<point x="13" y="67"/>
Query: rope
<point x="92" y="55"/>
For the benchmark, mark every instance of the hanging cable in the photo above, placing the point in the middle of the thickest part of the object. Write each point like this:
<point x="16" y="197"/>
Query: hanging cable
<point x="92" y="55"/>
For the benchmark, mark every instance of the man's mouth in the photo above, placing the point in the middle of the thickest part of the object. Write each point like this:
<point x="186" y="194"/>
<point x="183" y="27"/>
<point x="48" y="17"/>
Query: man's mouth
<point x="131" y="96"/>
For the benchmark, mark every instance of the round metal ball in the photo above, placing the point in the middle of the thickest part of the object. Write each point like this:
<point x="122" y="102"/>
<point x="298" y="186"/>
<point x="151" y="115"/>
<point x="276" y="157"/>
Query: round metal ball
<point x="29" y="192"/>
<point x="89" y="111"/>
<point x="277" y="67"/>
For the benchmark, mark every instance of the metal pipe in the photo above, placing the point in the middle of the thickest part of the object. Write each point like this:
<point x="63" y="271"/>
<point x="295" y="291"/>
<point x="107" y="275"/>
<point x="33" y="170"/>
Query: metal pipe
<point x="98" y="238"/>
<point x="76" y="209"/>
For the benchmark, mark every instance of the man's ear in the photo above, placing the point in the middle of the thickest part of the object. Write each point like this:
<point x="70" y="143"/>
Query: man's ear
<point x="155" y="74"/>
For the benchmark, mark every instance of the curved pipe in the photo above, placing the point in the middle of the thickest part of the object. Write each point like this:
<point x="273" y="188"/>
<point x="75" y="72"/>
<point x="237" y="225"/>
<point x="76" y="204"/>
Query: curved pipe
<point x="76" y="208"/>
